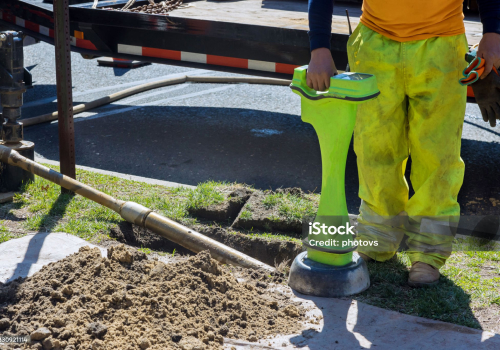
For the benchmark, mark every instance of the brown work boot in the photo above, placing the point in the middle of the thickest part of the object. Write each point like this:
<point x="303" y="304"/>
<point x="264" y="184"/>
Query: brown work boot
<point x="365" y="257"/>
<point x="423" y="275"/>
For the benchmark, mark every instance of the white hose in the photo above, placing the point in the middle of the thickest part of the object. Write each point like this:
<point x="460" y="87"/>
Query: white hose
<point x="153" y="85"/>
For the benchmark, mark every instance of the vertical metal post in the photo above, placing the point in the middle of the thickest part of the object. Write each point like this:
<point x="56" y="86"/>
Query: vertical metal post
<point x="64" y="92"/>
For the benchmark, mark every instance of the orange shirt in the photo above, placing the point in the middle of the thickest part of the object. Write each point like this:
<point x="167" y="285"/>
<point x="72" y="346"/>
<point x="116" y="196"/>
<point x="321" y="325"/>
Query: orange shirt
<point x="407" y="20"/>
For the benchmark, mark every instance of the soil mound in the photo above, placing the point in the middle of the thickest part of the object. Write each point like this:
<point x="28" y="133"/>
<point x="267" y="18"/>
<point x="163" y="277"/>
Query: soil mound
<point x="128" y="302"/>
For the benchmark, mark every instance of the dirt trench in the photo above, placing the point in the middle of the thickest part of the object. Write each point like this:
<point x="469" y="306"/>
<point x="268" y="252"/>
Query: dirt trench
<point x="269" y="251"/>
<point x="224" y="223"/>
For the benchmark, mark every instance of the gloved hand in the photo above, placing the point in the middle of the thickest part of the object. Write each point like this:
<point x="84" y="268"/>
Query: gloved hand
<point x="487" y="93"/>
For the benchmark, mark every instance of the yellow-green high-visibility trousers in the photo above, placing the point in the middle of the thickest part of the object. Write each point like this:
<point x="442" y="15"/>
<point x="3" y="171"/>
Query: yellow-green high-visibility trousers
<point x="420" y="112"/>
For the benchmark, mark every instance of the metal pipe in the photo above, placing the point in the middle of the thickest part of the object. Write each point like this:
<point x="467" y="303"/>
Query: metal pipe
<point x="138" y="214"/>
<point x="64" y="89"/>
<point x="154" y="85"/>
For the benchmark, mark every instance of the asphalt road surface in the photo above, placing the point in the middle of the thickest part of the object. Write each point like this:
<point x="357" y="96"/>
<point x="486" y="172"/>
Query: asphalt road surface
<point x="193" y="132"/>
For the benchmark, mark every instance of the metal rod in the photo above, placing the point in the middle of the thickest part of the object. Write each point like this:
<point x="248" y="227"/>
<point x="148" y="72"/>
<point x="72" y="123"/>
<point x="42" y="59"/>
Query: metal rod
<point x="348" y="21"/>
<point x="138" y="214"/>
<point x="347" y="68"/>
<point x="64" y="92"/>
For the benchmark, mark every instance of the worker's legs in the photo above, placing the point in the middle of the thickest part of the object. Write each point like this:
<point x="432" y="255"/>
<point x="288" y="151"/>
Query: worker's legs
<point x="421" y="108"/>
<point x="435" y="114"/>
<point x="380" y="142"/>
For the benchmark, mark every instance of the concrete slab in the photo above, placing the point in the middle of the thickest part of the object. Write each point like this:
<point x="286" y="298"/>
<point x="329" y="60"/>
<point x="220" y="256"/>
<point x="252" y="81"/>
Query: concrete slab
<point x="24" y="256"/>
<point x="6" y="197"/>
<point x="342" y="323"/>
<point x="349" y="324"/>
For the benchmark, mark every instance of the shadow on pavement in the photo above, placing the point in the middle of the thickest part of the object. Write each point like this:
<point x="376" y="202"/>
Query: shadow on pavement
<point x="31" y="256"/>
<point x="353" y="324"/>
<point x="120" y="71"/>
<point x="349" y="324"/>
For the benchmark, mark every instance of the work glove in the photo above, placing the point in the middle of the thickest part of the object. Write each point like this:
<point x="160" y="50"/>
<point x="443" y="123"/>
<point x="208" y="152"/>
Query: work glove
<point x="487" y="93"/>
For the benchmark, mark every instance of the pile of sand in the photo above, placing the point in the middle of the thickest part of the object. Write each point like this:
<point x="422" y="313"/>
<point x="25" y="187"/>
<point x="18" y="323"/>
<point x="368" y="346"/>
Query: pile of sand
<point x="128" y="302"/>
